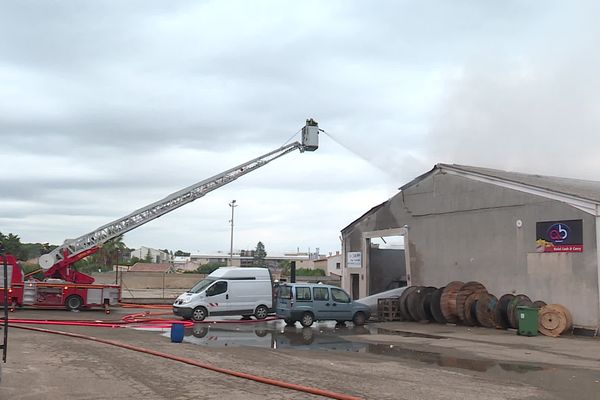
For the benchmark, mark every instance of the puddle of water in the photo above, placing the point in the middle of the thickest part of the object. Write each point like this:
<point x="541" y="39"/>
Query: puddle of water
<point x="276" y="335"/>
<point x="472" y="364"/>
<point x="331" y="337"/>
<point x="383" y="331"/>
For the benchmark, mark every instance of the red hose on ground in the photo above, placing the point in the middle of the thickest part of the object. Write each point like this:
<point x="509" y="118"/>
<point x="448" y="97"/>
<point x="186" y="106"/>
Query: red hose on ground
<point x="243" y="375"/>
<point x="139" y="320"/>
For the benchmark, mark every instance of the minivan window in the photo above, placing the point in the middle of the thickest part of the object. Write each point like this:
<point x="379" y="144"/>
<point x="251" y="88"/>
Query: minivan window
<point x="321" y="293"/>
<point x="219" y="287"/>
<point x="285" y="292"/>
<point x="302" y="293"/>
<point x="200" y="286"/>
<point x="340" y="296"/>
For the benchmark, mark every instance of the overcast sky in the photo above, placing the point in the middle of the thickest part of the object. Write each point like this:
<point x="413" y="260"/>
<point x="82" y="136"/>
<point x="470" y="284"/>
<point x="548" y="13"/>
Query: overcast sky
<point x="107" y="106"/>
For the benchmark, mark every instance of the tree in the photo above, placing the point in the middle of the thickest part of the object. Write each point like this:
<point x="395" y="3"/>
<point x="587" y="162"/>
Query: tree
<point x="286" y="266"/>
<point x="109" y="253"/>
<point x="208" y="268"/>
<point x="12" y="244"/>
<point x="259" y="255"/>
<point x="148" y="258"/>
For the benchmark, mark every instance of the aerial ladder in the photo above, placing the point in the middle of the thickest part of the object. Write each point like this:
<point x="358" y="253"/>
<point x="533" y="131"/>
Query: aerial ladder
<point x="58" y="263"/>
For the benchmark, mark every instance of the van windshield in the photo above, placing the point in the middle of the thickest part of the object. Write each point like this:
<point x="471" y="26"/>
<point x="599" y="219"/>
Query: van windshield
<point x="200" y="286"/>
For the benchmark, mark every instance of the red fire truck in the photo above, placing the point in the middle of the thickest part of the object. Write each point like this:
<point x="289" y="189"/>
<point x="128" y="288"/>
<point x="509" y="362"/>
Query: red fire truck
<point x="63" y="286"/>
<point x="54" y="292"/>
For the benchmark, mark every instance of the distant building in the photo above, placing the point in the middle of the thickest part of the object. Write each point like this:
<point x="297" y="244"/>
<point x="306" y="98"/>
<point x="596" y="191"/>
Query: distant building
<point x="245" y="258"/>
<point x="331" y="264"/>
<point x="157" y="256"/>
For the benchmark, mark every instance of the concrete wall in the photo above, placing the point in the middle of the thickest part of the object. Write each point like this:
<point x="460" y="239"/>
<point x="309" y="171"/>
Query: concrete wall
<point x="151" y="280"/>
<point x="460" y="229"/>
<point x="157" y="280"/>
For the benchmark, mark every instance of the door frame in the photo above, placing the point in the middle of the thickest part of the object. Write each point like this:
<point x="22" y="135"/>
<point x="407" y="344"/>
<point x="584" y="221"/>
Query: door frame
<point x="365" y="248"/>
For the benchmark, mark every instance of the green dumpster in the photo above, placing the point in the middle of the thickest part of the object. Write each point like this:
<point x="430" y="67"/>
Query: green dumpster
<point x="528" y="321"/>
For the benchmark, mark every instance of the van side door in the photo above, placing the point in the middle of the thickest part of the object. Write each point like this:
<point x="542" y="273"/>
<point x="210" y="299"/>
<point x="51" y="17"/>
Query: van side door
<point x="341" y="305"/>
<point x="217" y="298"/>
<point x="322" y="303"/>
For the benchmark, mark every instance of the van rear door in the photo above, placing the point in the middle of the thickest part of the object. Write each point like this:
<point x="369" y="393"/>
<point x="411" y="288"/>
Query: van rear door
<point x="284" y="298"/>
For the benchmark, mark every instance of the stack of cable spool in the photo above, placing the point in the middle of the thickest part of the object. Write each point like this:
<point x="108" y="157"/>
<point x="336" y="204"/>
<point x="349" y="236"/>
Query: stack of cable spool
<point x="554" y="320"/>
<point x="471" y="304"/>
<point x="466" y="299"/>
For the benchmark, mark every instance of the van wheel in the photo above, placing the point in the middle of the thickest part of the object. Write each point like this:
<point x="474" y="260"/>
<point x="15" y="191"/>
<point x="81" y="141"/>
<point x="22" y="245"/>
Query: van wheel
<point x="261" y="312"/>
<point x="199" y="314"/>
<point x="74" y="302"/>
<point x="307" y="319"/>
<point x="359" y="319"/>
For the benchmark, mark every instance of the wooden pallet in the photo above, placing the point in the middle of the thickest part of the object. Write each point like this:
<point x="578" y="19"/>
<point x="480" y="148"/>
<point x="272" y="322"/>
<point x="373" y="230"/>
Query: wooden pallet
<point x="388" y="309"/>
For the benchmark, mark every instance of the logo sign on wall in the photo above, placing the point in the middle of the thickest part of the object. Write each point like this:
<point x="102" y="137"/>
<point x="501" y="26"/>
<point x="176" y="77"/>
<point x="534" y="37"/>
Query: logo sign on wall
<point x="354" y="259"/>
<point x="560" y="236"/>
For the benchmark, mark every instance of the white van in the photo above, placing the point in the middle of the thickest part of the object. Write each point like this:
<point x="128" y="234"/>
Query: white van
<point x="228" y="291"/>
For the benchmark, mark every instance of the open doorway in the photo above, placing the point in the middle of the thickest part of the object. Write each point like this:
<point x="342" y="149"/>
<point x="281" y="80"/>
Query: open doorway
<point x="355" y="286"/>
<point x="386" y="260"/>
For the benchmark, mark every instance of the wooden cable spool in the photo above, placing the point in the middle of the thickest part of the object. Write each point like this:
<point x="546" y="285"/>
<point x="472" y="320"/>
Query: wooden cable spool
<point x="538" y="304"/>
<point x="424" y="309"/>
<point x="465" y="291"/>
<point x="413" y="303"/>
<point x="470" y="313"/>
<point x="402" y="307"/>
<point x="486" y="310"/>
<point x="501" y="311"/>
<point x="436" y="306"/>
<point x="554" y="320"/>
<point x="448" y="301"/>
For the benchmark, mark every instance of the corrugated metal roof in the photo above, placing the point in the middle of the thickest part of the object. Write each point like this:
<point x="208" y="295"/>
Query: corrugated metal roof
<point x="584" y="189"/>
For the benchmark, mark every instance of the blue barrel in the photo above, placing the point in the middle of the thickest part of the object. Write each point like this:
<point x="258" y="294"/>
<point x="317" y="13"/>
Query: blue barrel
<point x="177" y="332"/>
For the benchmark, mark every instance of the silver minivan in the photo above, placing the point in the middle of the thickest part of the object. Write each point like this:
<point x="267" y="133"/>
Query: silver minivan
<point x="309" y="302"/>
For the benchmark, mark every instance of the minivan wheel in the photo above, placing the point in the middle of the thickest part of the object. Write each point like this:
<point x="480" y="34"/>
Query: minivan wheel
<point x="359" y="319"/>
<point x="261" y="312"/>
<point x="307" y="319"/>
<point x="199" y="314"/>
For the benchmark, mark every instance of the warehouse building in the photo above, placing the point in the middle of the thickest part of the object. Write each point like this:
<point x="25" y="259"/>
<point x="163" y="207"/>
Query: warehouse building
<point x="513" y="232"/>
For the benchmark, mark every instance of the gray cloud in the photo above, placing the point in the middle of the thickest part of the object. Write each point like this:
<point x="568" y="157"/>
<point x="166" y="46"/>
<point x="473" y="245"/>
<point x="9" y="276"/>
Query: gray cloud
<point x="109" y="106"/>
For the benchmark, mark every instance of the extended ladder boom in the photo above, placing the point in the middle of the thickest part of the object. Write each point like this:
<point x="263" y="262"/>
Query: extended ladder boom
<point x="59" y="260"/>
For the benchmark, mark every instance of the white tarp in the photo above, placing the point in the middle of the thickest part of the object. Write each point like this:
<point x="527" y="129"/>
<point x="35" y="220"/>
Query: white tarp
<point x="371" y="301"/>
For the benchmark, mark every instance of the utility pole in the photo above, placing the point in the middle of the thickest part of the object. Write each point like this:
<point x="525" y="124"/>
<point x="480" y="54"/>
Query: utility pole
<point x="233" y="206"/>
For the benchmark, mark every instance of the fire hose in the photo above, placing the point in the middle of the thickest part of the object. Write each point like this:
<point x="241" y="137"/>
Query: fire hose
<point x="145" y="320"/>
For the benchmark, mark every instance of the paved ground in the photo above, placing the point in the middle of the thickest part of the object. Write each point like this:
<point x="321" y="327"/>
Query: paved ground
<point x="384" y="361"/>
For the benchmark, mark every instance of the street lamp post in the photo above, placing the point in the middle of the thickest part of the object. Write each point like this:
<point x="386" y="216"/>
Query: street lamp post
<point x="232" y="205"/>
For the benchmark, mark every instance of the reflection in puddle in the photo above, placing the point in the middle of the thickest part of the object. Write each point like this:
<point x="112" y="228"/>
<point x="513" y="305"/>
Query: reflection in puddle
<point x="328" y="337"/>
<point x="322" y="337"/>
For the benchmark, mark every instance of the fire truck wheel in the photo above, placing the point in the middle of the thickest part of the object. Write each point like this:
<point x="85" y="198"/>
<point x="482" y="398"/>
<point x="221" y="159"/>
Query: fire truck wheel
<point x="73" y="302"/>
<point x="199" y="314"/>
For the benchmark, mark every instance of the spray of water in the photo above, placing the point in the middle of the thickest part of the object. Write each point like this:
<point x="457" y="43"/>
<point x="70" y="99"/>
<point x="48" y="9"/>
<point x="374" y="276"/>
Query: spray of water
<point x="357" y="153"/>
